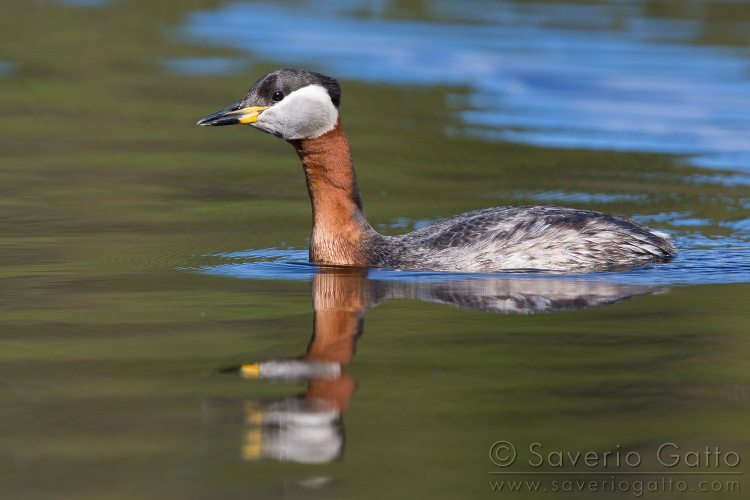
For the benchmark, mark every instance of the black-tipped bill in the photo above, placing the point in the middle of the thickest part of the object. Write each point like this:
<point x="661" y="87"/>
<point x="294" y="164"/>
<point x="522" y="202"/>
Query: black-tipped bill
<point x="232" y="115"/>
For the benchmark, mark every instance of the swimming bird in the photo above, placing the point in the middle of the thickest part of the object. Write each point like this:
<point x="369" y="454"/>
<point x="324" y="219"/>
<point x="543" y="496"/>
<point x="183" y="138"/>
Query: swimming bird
<point x="302" y="107"/>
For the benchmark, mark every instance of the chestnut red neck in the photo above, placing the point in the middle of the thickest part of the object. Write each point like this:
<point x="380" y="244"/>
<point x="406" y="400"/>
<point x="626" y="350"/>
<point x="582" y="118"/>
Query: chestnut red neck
<point x="340" y="229"/>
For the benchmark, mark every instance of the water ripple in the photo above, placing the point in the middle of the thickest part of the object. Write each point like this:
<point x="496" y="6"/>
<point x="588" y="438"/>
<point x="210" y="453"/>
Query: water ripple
<point x="700" y="261"/>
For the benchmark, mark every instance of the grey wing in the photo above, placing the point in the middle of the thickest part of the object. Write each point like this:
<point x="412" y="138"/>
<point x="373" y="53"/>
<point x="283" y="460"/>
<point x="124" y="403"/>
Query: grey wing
<point x="533" y="237"/>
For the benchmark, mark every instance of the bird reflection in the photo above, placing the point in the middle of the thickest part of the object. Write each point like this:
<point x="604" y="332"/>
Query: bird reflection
<point x="309" y="428"/>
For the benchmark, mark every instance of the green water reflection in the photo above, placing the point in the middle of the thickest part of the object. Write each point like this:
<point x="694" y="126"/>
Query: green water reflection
<point x="111" y="348"/>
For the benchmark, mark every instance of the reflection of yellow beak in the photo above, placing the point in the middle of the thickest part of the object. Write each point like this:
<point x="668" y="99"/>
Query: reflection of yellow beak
<point x="250" y="371"/>
<point x="248" y="115"/>
<point x="252" y="447"/>
<point x="233" y="114"/>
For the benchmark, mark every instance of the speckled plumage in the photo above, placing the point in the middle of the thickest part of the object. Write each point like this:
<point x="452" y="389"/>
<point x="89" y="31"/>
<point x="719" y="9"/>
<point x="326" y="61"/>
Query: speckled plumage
<point x="524" y="237"/>
<point x="302" y="108"/>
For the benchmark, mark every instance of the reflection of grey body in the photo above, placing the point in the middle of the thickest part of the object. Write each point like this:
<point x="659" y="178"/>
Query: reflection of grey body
<point x="522" y="295"/>
<point x="309" y="429"/>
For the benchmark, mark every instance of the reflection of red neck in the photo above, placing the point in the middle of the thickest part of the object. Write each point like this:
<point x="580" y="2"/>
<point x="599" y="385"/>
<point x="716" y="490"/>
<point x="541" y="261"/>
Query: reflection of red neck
<point x="339" y="225"/>
<point x="340" y="302"/>
<point x="337" y="392"/>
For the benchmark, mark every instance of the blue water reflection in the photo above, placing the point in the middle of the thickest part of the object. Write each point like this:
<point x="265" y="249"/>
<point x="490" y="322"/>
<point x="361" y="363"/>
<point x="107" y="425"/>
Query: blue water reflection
<point x="701" y="260"/>
<point x="598" y="76"/>
<point x="5" y="69"/>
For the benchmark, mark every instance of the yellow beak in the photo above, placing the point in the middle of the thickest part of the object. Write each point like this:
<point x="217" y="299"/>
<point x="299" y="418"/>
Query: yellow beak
<point x="249" y="115"/>
<point x="233" y="114"/>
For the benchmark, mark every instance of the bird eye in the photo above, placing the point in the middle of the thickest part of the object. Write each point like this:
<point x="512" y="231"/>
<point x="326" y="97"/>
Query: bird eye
<point x="278" y="95"/>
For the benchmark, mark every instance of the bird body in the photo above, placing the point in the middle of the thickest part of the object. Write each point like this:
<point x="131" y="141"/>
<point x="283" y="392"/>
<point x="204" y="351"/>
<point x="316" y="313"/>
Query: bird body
<point x="529" y="237"/>
<point x="302" y="108"/>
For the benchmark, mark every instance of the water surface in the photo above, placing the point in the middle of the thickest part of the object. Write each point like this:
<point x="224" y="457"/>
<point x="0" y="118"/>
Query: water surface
<point x="144" y="260"/>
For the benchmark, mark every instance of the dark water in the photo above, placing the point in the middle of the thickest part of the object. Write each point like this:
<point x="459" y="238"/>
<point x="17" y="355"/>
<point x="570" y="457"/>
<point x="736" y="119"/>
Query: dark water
<point x="164" y="337"/>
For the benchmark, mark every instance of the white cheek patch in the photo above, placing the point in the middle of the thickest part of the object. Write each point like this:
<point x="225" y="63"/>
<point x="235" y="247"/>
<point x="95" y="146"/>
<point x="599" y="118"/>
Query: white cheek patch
<point x="306" y="113"/>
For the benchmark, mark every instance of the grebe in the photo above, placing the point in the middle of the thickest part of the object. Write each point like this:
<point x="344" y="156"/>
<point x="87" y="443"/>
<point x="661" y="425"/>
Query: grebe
<point x="302" y="107"/>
